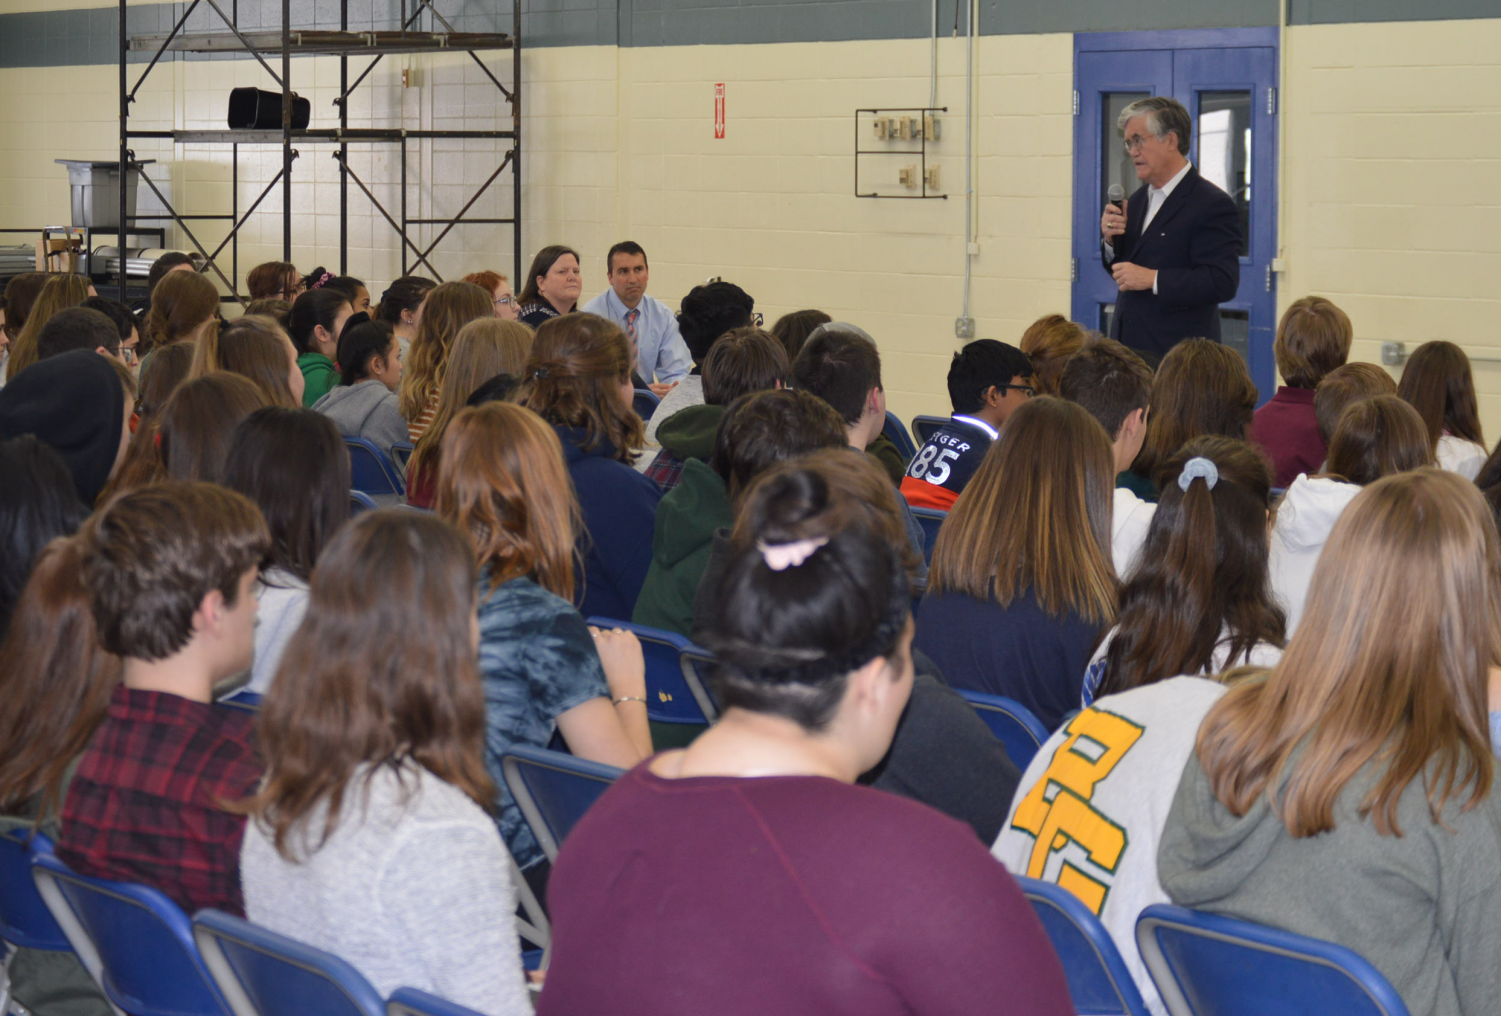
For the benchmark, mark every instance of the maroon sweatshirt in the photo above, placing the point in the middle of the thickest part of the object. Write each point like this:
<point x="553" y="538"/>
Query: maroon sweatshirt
<point x="1288" y="430"/>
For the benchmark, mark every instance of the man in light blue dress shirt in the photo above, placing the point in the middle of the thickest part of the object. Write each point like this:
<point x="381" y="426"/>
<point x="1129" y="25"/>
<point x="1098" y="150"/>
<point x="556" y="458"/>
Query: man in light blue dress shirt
<point x="661" y="355"/>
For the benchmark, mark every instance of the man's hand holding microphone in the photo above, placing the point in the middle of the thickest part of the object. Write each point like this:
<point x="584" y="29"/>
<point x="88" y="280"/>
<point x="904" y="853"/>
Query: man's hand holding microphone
<point x="1112" y="225"/>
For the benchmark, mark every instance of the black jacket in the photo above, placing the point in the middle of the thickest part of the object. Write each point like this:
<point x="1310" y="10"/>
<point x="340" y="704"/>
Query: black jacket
<point x="1194" y="244"/>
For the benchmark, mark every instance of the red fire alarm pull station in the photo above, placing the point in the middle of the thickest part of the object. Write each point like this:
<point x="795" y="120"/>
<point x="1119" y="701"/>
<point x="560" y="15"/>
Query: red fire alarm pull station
<point x="719" y="111"/>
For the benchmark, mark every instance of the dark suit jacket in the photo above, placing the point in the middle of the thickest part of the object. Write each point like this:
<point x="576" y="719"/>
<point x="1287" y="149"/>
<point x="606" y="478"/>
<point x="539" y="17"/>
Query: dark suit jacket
<point x="1194" y="243"/>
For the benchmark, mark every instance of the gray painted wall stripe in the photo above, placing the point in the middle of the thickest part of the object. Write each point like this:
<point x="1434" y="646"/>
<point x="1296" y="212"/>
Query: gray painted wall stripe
<point x="70" y="37"/>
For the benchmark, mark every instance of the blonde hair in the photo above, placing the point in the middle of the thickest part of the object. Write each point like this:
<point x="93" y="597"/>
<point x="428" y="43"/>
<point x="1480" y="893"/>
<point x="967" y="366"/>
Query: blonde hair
<point x="59" y="293"/>
<point x="1388" y="667"/>
<point x="483" y="348"/>
<point x="447" y="309"/>
<point x="1036" y="515"/>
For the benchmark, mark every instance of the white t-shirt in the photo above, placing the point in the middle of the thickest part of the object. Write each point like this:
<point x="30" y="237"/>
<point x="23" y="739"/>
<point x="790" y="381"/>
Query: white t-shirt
<point x="1130" y="519"/>
<point x="1090" y="809"/>
<point x="1262" y="654"/>
<point x="1460" y="455"/>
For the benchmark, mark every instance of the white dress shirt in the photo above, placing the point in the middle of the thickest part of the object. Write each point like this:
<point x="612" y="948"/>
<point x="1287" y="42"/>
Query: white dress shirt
<point x="660" y="349"/>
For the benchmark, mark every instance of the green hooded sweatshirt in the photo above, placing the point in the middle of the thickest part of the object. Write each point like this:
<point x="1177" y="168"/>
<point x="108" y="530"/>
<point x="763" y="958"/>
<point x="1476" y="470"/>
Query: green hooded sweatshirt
<point x="687" y="517"/>
<point x="689" y="433"/>
<point x="319" y="375"/>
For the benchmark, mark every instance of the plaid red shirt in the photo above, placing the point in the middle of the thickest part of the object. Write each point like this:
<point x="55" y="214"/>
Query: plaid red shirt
<point x="666" y="470"/>
<point x="142" y="807"/>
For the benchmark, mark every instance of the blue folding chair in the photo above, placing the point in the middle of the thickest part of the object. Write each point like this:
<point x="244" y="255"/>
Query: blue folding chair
<point x="674" y="693"/>
<point x="401" y="454"/>
<point x="1011" y="722"/>
<point x="1099" y="982"/>
<point x="1208" y="965"/>
<point x="25" y="921"/>
<point x="896" y="430"/>
<point x="930" y="519"/>
<point x="370" y="471"/>
<point x="262" y="973"/>
<point x="924" y="427"/>
<point x="413" y="1002"/>
<point x="135" y="942"/>
<point x="645" y="402"/>
<point x="248" y="701"/>
<point x="359" y="501"/>
<point x="553" y="790"/>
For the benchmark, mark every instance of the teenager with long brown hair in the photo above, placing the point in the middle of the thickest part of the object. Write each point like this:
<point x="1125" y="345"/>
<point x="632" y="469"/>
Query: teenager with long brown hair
<point x="58" y="293"/>
<point x="1374" y="438"/>
<point x="370" y="833"/>
<point x="1437" y="380"/>
<point x="256" y="347"/>
<point x="161" y="375"/>
<point x="1201" y="387"/>
<point x="1348" y="794"/>
<point x="445" y="310"/>
<point x="1021" y="584"/>
<point x="1050" y="342"/>
<point x="502" y="482"/>
<point x="184" y="307"/>
<point x="483" y="349"/>
<point x="198" y="424"/>
<point x="578" y="378"/>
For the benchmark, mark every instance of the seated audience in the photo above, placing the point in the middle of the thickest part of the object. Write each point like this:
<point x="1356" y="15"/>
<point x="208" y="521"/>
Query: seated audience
<point x="280" y="310"/>
<point x="125" y="323"/>
<point x="841" y="365"/>
<point x="257" y="348"/>
<point x="77" y="404"/>
<point x="988" y="381"/>
<point x="167" y="368"/>
<point x="21" y="294"/>
<point x="578" y="379"/>
<point x="364" y="403"/>
<point x="401" y="307"/>
<point x="553" y="285"/>
<point x="708" y="312"/>
<point x="1375" y="438"/>
<point x="1049" y="342"/>
<point x="275" y="280"/>
<point x="498" y="286"/>
<point x="793" y="329"/>
<point x="369" y="837"/>
<point x="59" y="293"/>
<point x="502" y="482"/>
<point x="79" y="328"/>
<point x="1313" y="339"/>
<point x="354" y="291"/>
<point x="484" y="348"/>
<point x="171" y="261"/>
<point x="317" y="319"/>
<point x="1201" y="387"/>
<point x="779" y="905"/>
<point x="293" y="465"/>
<point x="198" y="425"/>
<point x="184" y="308"/>
<point x="38" y="503"/>
<point x="1021" y="586"/>
<point x="441" y="313"/>
<point x="1348" y="795"/>
<point x="757" y="431"/>
<point x="740" y="361"/>
<point x="1200" y="601"/>
<point x="1344" y="386"/>
<point x="1115" y="385"/>
<point x="148" y="801"/>
<point x="1437" y="381"/>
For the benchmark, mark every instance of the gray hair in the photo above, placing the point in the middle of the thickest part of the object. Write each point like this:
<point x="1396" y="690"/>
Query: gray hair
<point x="1164" y="115"/>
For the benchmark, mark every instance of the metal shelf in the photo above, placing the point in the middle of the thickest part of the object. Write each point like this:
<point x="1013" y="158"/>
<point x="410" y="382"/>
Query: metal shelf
<point x="329" y="136"/>
<point x="321" y="42"/>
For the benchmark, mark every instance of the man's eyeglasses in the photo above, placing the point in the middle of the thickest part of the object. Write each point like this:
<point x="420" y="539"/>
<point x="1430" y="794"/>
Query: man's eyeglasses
<point x="1134" y="142"/>
<point x="128" y="355"/>
<point x="757" y="319"/>
<point x="1031" y="391"/>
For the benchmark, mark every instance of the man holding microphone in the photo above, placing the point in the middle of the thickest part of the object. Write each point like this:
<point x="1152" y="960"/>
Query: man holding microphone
<point x="1174" y="247"/>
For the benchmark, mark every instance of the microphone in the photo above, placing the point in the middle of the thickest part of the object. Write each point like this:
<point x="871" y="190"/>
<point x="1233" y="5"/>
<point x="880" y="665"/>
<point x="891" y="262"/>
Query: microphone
<point x="1117" y="196"/>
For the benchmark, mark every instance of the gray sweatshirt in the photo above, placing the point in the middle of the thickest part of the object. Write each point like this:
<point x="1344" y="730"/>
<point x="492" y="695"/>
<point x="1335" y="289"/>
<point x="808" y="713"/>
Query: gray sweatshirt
<point x="368" y="410"/>
<point x="1424" y="908"/>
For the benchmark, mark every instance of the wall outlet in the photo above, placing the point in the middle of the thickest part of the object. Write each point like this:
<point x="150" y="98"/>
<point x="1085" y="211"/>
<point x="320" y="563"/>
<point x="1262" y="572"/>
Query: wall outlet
<point x="931" y="126"/>
<point x="930" y="177"/>
<point x="964" y="328"/>
<point x="881" y="126"/>
<point x="1393" y="353"/>
<point x="907" y="176"/>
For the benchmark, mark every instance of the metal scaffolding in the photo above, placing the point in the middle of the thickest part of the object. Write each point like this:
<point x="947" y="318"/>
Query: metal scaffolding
<point x="285" y="43"/>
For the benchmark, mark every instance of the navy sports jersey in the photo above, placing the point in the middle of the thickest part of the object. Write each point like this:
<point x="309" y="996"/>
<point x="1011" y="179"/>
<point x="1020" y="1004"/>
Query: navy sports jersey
<point x="944" y="464"/>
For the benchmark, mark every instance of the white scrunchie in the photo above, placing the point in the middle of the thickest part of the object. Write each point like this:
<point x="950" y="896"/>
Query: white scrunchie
<point x="1198" y="468"/>
<point x="781" y="556"/>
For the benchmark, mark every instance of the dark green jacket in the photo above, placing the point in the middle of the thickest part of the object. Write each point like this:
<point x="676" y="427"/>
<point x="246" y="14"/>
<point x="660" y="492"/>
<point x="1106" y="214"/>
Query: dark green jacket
<point x="689" y="433"/>
<point x="320" y="375"/>
<point x="686" y="519"/>
<point x="885" y="451"/>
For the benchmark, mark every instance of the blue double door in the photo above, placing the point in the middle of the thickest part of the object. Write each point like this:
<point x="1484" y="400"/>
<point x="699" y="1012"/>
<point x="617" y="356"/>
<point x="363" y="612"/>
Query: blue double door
<point x="1227" y="79"/>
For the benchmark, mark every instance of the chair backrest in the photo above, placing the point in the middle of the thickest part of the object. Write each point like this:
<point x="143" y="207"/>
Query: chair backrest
<point x="370" y="471"/>
<point x="412" y="1002"/>
<point x="247" y="701"/>
<point x="359" y="501"/>
<point x="135" y="942"/>
<point x="401" y="454"/>
<point x="261" y="973"/>
<point x="930" y="519"/>
<point x="674" y="693"/>
<point x="1208" y="965"/>
<point x="896" y="430"/>
<point x="1011" y="722"/>
<point x="924" y="427"/>
<point x="645" y="403"/>
<point x="1099" y="982"/>
<point x="553" y="790"/>
<point x="25" y="920"/>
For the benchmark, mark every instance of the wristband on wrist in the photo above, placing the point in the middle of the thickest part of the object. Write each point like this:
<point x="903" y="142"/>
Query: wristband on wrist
<point x="630" y="698"/>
